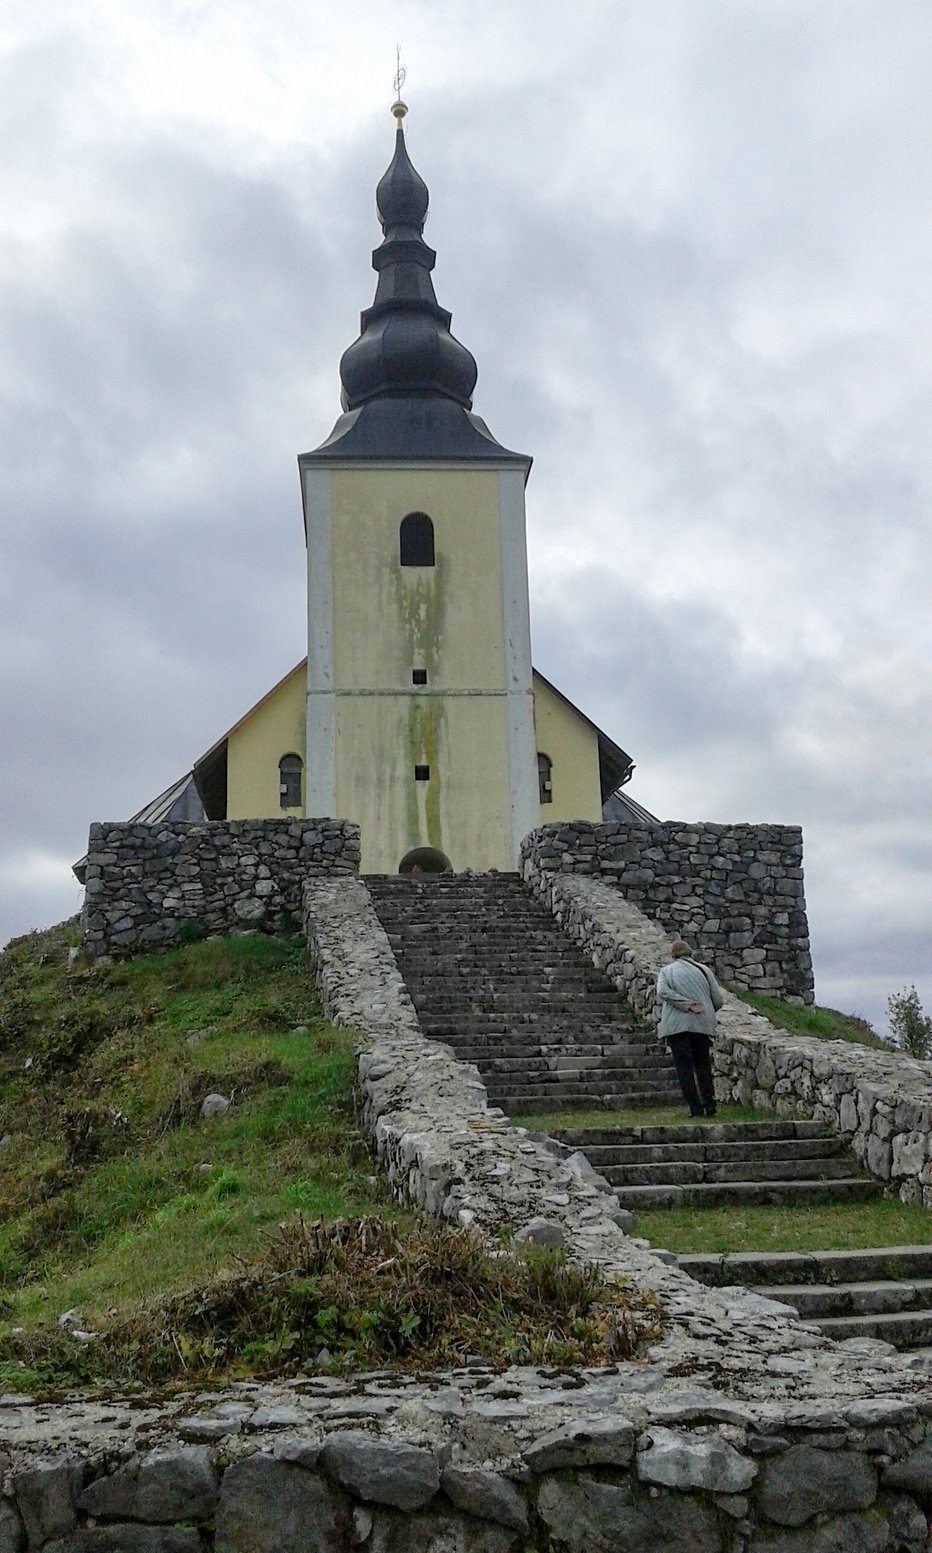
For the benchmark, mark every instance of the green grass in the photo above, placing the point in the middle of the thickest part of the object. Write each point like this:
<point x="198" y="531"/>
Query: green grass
<point x="838" y="1227"/>
<point x="371" y="1297"/>
<point x="113" y="1190"/>
<point x="825" y="1023"/>
<point x="635" y="1116"/>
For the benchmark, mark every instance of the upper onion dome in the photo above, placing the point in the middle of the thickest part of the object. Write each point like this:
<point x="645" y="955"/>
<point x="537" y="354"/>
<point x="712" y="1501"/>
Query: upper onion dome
<point x="405" y="347"/>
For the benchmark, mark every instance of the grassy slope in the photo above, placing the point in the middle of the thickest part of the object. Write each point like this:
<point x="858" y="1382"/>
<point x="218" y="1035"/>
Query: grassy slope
<point x="826" y="1024"/>
<point x="243" y="1243"/>
<point x="112" y="1187"/>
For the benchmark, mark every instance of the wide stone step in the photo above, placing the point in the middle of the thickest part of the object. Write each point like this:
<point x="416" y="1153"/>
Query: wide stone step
<point x="906" y="1329"/>
<point x="478" y="1047"/>
<point x="874" y="1263"/>
<point x="707" y="1194"/>
<point x="773" y="1149"/>
<point x="571" y="1083"/>
<point x="568" y="1062"/>
<point x="698" y="1132"/>
<point x="688" y="1172"/>
<point x="867" y="1298"/>
<point x="516" y="1104"/>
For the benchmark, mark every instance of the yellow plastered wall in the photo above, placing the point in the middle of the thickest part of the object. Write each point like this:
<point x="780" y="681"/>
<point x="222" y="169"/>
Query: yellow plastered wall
<point x="387" y="618"/>
<point x="275" y="727"/>
<point x="447" y="619"/>
<point x="573" y="747"/>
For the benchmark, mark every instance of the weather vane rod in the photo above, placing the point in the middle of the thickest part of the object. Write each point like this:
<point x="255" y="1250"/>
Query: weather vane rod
<point x="398" y="107"/>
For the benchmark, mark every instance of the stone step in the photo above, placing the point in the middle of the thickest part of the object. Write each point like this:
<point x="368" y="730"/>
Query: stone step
<point x="693" y="1132"/>
<point x="494" y="1044"/>
<point x="569" y="1062"/>
<point x="785" y="1267"/>
<point x="492" y="975"/>
<point x="864" y="1298"/>
<point x="572" y="1085"/>
<point x="602" y="1154"/>
<point x="845" y="1189"/>
<point x="905" y="1329"/>
<point x="517" y="1104"/>
<point x="689" y="1172"/>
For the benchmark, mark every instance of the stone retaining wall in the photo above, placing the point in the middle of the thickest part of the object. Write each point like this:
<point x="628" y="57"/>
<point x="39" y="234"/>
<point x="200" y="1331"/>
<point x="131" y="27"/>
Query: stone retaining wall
<point x="146" y="885"/>
<point x="880" y="1101"/>
<point x="734" y="891"/>
<point x="474" y="1473"/>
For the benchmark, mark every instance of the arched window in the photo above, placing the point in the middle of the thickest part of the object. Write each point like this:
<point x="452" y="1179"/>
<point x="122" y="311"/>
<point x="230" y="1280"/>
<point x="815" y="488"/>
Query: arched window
<point x="290" y="772"/>
<point x="417" y="540"/>
<point x="544" y="778"/>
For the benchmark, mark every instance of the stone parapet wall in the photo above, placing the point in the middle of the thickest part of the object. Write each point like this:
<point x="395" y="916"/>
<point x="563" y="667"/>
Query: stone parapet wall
<point x="148" y="885"/>
<point x="478" y="1463"/>
<point x="734" y="891"/>
<point x="881" y="1101"/>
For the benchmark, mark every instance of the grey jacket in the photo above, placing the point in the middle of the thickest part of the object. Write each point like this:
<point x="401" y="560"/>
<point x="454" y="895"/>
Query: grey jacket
<point x="683" y="982"/>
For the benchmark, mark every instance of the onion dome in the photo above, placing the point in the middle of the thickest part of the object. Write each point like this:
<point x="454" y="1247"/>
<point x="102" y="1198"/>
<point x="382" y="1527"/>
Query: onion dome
<point x="405" y="347"/>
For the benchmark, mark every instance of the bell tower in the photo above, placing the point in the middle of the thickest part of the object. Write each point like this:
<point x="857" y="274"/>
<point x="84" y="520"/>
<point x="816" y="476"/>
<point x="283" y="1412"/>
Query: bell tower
<point x="420" y="720"/>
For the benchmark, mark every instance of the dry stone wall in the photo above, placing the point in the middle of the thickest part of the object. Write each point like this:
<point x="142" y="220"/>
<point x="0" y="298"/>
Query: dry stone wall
<point x="734" y="891"/>
<point x="881" y="1101"/>
<point x="147" y="885"/>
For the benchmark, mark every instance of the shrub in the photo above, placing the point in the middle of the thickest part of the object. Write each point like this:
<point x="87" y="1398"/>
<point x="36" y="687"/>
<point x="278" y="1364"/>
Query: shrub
<point x="910" y="1027"/>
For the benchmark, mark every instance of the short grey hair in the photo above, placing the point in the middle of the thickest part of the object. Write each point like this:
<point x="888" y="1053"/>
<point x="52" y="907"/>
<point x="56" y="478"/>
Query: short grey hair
<point x="678" y="949"/>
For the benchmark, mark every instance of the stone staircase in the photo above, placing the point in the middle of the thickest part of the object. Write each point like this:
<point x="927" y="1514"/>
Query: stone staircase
<point x="882" y="1293"/>
<point x="714" y="1163"/>
<point x="492" y="975"/>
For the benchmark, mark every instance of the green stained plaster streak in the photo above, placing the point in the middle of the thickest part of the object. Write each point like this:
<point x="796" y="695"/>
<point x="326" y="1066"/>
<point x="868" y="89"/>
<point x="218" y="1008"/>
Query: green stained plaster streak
<point x="422" y="600"/>
<point x="421" y="594"/>
<point x="425" y="720"/>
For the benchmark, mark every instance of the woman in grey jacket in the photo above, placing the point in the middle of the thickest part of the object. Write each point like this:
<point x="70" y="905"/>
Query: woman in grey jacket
<point x="689" y="997"/>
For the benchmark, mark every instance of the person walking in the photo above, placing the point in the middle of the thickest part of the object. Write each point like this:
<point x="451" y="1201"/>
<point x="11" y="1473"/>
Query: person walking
<point x="689" y="998"/>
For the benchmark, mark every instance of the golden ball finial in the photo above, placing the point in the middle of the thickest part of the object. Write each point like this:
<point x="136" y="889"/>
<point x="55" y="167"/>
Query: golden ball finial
<point x="399" y="109"/>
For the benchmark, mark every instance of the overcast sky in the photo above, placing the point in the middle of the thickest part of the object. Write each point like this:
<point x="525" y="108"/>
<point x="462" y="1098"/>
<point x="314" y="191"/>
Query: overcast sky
<point x="688" y="242"/>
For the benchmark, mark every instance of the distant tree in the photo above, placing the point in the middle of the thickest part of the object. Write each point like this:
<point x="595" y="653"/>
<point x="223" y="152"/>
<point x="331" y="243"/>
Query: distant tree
<point x="910" y="1027"/>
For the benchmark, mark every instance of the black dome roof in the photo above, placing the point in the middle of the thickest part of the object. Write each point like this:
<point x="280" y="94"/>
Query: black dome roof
<point x="405" y="347"/>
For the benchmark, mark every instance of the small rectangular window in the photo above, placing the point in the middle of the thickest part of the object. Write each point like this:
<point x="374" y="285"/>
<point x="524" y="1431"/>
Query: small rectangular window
<point x="422" y="773"/>
<point x="419" y="676"/>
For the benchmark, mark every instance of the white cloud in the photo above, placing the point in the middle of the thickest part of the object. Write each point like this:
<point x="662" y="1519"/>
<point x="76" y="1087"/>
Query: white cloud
<point x="687" y="244"/>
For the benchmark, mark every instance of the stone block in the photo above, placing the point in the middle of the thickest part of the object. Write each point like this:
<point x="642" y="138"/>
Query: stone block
<point x="46" y="1497"/>
<point x="177" y="1483"/>
<point x="679" y="1460"/>
<point x="804" y="1481"/>
<point x="587" y="1516"/>
<point x="913" y="1473"/>
<point x="308" y="1514"/>
<point x="131" y="1538"/>
<point x="486" y="1495"/>
<point x="12" y="1530"/>
<point x="585" y="1443"/>
<point x="842" y="1534"/>
<point x="401" y="1475"/>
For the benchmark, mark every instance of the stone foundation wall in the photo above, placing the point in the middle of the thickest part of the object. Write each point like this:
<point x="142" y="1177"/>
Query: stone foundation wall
<point x="858" y="1479"/>
<point x="735" y="892"/>
<point x="880" y="1101"/>
<point x="147" y="885"/>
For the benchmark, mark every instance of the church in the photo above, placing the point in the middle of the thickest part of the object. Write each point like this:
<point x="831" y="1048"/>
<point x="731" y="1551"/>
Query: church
<point x="416" y="714"/>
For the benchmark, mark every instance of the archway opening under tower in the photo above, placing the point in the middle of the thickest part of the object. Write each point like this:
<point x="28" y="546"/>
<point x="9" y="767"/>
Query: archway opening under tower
<point x="425" y="860"/>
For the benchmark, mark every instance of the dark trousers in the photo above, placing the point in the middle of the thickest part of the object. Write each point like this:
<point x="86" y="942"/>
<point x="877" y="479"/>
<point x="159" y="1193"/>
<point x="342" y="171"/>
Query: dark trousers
<point x="691" y="1050"/>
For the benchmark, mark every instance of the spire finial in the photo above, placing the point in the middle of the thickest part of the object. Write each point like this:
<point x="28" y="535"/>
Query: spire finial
<point x="399" y="109"/>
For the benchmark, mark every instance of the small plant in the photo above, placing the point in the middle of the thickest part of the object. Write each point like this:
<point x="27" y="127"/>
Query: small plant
<point x="910" y="1028"/>
<point x="192" y="931"/>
